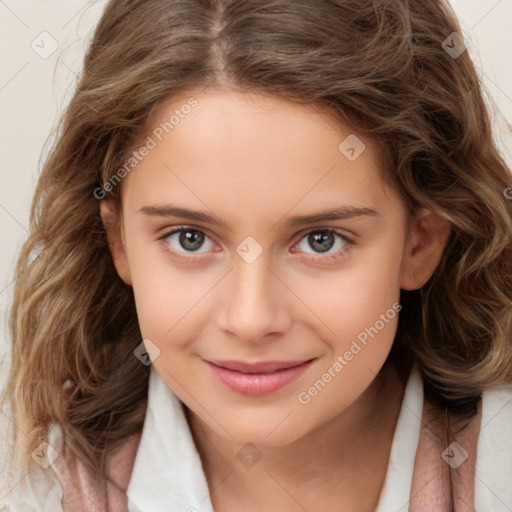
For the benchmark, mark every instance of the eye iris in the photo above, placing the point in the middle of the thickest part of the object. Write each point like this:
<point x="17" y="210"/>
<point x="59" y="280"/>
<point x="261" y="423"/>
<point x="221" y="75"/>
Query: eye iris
<point x="189" y="240"/>
<point x="323" y="239"/>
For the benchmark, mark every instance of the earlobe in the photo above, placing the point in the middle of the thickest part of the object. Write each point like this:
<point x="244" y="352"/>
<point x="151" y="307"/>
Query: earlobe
<point x="115" y="238"/>
<point x="423" y="250"/>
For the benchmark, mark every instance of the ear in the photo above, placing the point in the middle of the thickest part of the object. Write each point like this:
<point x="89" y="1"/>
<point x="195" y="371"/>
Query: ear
<point x="112" y="222"/>
<point x="424" y="247"/>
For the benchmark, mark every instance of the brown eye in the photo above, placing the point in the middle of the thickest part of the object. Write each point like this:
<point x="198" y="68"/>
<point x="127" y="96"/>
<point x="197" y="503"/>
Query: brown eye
<point x="330" y="242"/>
<point x="191" y="240"/>
<point x="187" y="240"/>
<point x="321" y="241"/>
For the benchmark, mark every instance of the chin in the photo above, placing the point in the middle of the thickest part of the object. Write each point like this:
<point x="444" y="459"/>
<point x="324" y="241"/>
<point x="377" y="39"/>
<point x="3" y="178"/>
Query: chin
<point x="263" y="437"/>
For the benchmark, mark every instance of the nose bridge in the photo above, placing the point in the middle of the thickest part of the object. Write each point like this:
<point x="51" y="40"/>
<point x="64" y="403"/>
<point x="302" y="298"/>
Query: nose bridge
<point x="253" y="306"/>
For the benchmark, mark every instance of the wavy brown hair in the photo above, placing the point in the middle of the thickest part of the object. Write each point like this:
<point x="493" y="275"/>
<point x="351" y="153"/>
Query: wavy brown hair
<point x="380" y="68"/>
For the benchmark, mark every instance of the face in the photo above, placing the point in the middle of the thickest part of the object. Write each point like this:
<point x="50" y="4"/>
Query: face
<point x="266" y="258"/>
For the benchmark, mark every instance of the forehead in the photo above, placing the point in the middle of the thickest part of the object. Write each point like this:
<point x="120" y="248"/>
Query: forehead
<point x="251" y="155"/>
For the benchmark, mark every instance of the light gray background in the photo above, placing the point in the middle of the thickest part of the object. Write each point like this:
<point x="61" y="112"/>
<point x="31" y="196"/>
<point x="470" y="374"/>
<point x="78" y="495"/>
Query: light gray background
<point x="34" y="90"/>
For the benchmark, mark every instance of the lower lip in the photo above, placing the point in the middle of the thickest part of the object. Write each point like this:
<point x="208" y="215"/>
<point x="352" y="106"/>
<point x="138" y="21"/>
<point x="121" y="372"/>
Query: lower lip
<point x="258" y="384"/>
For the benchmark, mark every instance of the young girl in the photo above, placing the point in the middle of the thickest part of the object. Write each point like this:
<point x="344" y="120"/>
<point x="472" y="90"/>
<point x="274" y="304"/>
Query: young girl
<point x="269" y="268"/>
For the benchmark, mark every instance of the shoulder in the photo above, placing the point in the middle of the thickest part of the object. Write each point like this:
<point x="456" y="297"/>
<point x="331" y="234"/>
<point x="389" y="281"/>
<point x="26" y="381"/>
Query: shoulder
<point x="465" y="462"/>
<point x="80" y="487"/>
<point x="35" y="489"/>
<point x="58" y="481"/>
<point x="493" y="485"/>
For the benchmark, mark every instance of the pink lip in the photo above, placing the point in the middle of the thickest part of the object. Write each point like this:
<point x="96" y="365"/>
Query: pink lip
<point x="256" y="379"/>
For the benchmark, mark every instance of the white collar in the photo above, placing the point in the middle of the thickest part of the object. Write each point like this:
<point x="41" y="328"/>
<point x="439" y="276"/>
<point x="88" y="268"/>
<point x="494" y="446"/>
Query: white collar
<point x="168" y="475"/>
<point x="397" y="485"/>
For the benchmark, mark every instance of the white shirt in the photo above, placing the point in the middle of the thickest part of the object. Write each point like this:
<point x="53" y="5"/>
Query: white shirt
<point x="168" y="475"/>
<point x="168" y="469"/>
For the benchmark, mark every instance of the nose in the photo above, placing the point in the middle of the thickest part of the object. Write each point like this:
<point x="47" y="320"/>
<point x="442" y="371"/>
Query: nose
<point x="254" y="306"/>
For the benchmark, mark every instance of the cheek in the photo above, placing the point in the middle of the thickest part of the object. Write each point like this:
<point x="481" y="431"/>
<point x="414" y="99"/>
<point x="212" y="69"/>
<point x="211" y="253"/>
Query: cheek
<point x="368" y="301"/>
<point x="363" y="323"/>
<point x="352" y="298"/>
<point x="167" y="308"/>
<point x="362" y="310"/>
<point x="167" y="298"/>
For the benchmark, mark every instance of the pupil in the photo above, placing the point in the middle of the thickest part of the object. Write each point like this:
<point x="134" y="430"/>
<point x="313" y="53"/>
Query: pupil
<point x="191" y="240"/>
<point x="324" y="241"/>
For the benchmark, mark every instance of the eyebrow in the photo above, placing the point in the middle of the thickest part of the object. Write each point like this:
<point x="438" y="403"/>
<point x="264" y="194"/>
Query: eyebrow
<point x="340" y="213"/>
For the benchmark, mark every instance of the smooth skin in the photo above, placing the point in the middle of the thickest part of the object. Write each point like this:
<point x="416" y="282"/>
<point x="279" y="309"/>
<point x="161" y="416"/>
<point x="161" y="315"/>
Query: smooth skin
<point x="255" y="162"/>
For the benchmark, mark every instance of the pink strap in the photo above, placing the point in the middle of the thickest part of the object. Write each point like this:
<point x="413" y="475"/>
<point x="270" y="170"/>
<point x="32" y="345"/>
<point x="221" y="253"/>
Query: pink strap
<point x="439" y="460"/>
<point x="80" y="491"/>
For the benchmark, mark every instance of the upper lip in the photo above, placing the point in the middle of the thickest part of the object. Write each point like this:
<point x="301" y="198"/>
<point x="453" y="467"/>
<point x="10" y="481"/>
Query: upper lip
<point x="258" y="367"/>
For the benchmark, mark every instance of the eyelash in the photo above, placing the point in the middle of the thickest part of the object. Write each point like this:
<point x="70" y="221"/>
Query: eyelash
<point x="350" y="243"/>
